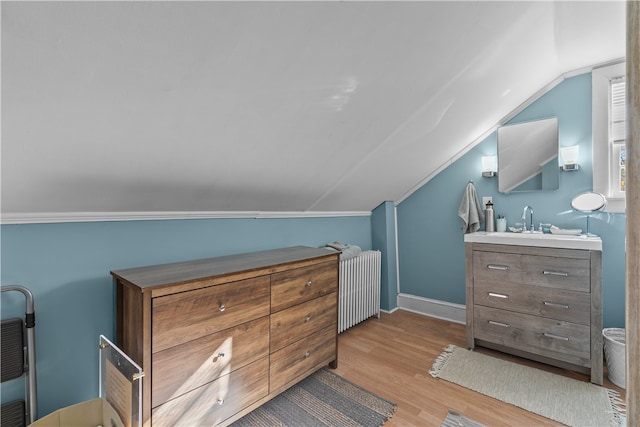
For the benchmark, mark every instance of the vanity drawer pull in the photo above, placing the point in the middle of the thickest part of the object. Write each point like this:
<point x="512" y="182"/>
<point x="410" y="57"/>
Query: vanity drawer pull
<point x="556" y="304"/>
<point x="498" y="267"/>
<point x="496" y="295"/>
<point x="555" y="273"/>
<point x="504" y="325"/>
<point x="557" y="337"/>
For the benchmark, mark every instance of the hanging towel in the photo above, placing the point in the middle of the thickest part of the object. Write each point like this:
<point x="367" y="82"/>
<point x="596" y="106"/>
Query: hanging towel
<point x="470" y="210"/>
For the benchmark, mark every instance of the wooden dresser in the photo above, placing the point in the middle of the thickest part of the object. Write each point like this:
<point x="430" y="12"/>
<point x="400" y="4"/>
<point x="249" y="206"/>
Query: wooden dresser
<point x="218" y="337"/>
<point x="541" y="303"/>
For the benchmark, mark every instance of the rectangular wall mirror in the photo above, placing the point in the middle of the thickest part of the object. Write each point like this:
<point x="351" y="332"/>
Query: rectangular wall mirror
<point x="528" y="156"/>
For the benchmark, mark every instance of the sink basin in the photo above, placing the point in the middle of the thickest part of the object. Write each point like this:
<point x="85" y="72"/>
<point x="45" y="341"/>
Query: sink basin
<point x="536" y="239"/>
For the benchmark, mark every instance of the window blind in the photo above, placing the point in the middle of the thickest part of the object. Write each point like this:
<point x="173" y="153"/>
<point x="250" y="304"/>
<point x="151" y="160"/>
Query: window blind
<point x="617" y="136"/>
<point x="618" y="111"/>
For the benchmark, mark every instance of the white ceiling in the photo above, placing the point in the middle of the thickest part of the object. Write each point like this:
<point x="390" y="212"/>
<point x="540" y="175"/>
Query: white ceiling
<point x="267" y="106"/>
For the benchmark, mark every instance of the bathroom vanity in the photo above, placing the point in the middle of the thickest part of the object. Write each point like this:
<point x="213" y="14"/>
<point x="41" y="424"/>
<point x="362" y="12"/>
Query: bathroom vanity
<point x="537" y="296"/>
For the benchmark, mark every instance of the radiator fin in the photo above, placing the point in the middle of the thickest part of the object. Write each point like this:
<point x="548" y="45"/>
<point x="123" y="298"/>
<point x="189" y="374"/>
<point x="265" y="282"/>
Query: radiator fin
<point x="359" y="289"/>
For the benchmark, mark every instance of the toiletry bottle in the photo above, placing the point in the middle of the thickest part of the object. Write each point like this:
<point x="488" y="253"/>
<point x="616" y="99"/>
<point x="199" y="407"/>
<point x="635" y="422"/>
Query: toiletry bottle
<point x="489" y="218"/>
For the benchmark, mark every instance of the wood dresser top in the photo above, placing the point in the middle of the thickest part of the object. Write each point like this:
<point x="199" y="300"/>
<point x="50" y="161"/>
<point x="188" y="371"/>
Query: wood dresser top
<point x="181" y="272"/>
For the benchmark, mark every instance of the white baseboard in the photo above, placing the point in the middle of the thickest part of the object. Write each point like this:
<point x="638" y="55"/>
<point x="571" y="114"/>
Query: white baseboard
<point x="390" y="311"/>
<point x="433" y="308"/>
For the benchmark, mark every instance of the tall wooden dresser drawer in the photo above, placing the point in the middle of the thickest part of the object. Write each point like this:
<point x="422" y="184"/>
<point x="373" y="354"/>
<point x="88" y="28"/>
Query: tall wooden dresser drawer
<point x="298" y="285"/>
<point x="185" y="316"/>
<point x="302" y="320"/>
<point x="295" y="361"/>
<point x="182" y="368"/>
<point x="216" y="401"/>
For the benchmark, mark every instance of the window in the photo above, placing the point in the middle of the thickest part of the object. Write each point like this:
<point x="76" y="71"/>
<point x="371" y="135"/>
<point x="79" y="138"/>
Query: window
<point x="609" y="128"/>
<point x="617" y="137"/>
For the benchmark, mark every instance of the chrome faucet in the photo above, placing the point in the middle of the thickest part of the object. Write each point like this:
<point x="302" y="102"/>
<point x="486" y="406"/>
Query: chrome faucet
<point x="524" y="218"/>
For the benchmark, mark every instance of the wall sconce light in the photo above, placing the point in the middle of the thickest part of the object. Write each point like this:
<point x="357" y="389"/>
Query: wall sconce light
<point x="570" y="158"/>
<point x="489" y="166"/>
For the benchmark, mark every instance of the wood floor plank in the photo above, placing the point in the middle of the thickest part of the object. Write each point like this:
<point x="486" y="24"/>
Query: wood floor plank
<point x="391" y="357"/>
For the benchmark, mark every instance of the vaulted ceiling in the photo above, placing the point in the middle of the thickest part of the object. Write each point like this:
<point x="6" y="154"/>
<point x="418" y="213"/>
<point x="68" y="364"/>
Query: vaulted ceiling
<point x="267" y="106"/>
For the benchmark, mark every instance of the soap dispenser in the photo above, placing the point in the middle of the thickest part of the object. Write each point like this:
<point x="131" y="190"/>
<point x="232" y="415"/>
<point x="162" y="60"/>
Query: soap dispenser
<point x="489" y="218"/>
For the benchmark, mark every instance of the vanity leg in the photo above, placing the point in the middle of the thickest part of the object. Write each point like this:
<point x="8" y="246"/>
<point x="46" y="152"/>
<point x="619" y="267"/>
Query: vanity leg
<point x="469" y="294"/>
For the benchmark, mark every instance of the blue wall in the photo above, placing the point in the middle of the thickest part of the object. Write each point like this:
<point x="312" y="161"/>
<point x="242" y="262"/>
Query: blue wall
<point x="66" y="266"/>
<point x="430" y="240"/>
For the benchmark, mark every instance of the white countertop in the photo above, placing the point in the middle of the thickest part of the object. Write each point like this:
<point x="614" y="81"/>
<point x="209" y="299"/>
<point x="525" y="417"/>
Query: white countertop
<point x="536" y="239"/>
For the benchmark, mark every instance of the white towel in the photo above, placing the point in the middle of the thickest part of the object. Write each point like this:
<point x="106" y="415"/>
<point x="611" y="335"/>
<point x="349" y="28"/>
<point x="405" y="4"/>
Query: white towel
<point x="470" y="210"/>
<point x="346" y="251"/>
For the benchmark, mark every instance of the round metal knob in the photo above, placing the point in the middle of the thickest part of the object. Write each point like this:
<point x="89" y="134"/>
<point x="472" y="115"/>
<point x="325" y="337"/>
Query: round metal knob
<point x="222" y="307"/>
<point x="306" y="319"/>
<point x="220" y="401"/>
<point x="309" y="283"/>
<point x="219" y="355"/>
<point x="307" y="354"/>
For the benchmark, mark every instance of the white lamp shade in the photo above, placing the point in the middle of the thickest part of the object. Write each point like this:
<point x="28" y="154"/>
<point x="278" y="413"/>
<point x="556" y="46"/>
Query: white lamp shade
<point x="489" y="164"/>
<point x="570" y="155"/>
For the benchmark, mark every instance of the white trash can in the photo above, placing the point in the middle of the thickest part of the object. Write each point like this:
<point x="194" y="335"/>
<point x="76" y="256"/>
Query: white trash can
<point x="614" y="350"/>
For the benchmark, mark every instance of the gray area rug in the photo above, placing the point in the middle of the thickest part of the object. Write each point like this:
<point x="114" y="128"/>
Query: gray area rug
<point x="322" y="399"/>
<point x="454" y="419"/>
<point x="566" y="400"/>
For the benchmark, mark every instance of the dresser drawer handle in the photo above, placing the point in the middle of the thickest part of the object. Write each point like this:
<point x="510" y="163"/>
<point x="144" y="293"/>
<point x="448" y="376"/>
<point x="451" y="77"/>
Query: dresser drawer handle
<point x="556" y="304"/>
<point x="222" y="307"/>
<point x="309" y="283"/>
<point x="498" y="267"/>
<point x="555" y="273"/>
<point x="220" y="401"/>
<point x="307" y="354"/>
<point x="556" y="337"/>
<point x="504" y="325"/>
<point x="308" y="318"/>
<point x="496" y="295"/>
<point x="218" y="356"/>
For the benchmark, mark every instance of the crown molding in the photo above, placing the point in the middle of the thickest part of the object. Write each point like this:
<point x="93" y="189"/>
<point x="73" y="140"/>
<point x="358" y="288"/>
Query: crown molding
<point x="64" y="217"/>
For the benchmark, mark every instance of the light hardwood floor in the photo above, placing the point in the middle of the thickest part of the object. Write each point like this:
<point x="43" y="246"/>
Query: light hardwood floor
<point x="391" y="357"/>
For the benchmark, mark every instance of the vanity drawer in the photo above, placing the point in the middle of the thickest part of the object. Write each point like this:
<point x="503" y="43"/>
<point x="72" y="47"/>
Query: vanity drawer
<point x="569" y="342"/>
<point x="182" y="368"/>
<point x="216" y="401"/>
<point x="302" y="320"/>
<point x="301" y="358"/>
<point x="546" y="271"/>
<point x="185" y="316"/>
<point x="570" y="306"/>
<point x="298" y="285"/>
